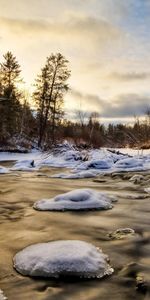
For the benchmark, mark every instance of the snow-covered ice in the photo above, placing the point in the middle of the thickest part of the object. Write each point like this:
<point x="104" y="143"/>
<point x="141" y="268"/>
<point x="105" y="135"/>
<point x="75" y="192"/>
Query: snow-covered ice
<point x="80" y="199"/>
<point x="77" y="175"/>
<point x="66" y="156"/>
<point x="129" y="163"/>
<point x="24" y="165"/>
<point x="4" y="170"/>
<point x="62" y="258"/>
<point x="102" y="164"/>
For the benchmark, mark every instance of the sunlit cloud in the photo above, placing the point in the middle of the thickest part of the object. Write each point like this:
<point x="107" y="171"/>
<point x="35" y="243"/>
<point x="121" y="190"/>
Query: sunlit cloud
<point x="107" y="44"/>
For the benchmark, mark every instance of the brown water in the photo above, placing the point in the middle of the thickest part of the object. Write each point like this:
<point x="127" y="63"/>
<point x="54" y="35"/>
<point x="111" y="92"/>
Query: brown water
<point x="21" y="225"/>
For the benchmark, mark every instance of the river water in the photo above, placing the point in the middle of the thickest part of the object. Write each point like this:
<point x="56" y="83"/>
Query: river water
<point x="21" y="225"/>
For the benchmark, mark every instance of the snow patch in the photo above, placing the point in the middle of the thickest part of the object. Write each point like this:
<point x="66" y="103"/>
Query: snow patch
<point x="3" y="170"/>
<point x="147" y="190"/>
<point x="80" y="199"/>
<point x="129" y="163"/>
<point x="2" y="296"/>
<point x="95" y="164"/>
<point x="24" y="165"/>
<point x="78" y="175"/>
<point x="62" y="258"/>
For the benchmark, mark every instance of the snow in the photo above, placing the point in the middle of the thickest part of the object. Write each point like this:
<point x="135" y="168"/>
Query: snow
<point x="2" y="297"/>
<point x="8" y="156"/>
<point x="24" y="165"/>
<point x="129" y="163"/>
<point x="66" y="156"/>
<point x="147" y="190"/>
<point x="96" y="164"/>
<point x="3" y="170"/>
<point x="80" y="199"/>
<point x="78" y="175"/>
<point x="62" y="258"/>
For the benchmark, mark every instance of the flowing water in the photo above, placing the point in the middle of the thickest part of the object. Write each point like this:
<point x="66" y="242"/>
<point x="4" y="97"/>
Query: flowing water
<point x="21" y="225"/>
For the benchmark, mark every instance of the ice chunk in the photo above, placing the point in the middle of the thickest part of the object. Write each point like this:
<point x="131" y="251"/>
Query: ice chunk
<point x="80" y="199"/>
<point x="62" y="258"/>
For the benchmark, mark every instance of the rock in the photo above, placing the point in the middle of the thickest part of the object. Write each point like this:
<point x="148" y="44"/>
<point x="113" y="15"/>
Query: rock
<point x="121" y="233"/>
<point x="141" y="284"/>
<point x="137" y="178"/>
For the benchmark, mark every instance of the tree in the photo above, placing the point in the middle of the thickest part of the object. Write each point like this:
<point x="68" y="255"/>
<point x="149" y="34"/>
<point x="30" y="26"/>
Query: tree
<point x="49" y="94"/>
<point x="9" y="93"/>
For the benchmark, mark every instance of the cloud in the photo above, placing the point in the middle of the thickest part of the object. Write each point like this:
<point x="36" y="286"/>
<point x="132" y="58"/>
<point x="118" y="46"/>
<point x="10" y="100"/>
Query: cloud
<point x="123" y="106"/>
<point x="73" y="26"/>
<point x="130" y="76"/>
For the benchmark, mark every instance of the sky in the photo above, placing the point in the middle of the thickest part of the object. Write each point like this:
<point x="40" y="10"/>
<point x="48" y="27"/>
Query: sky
<point x="107" y="43"/>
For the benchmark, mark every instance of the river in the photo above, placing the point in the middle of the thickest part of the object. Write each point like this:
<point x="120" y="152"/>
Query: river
<point x="21" y="225"/>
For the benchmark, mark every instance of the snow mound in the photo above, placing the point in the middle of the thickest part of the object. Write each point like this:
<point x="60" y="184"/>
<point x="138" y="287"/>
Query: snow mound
<point x="78" y="175"/>
<point x="100" y="164"/>
<point x="73" y="155"/>
<point x="3" y="170"/>
<point x="2" y="297"/>
<point x="62" y="258"/>
<point x="129" y="163"/>
<point x="24" y="165"/>
<point x="80" y="199"/>
<point x="121" y="233"/>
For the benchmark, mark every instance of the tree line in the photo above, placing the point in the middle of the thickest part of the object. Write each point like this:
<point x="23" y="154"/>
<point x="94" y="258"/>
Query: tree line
<point x="40" y="121"/>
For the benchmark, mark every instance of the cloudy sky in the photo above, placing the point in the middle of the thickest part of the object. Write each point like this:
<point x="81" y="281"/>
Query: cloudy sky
<point x="107" y="43"/>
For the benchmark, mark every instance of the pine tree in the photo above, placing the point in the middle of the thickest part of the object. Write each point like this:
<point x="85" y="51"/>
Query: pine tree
<point x="10" y="95"/>
<point x="50" y="89"/>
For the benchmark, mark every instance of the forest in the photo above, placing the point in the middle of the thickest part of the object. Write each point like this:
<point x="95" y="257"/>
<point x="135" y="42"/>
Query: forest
<point x="40" y="121"/>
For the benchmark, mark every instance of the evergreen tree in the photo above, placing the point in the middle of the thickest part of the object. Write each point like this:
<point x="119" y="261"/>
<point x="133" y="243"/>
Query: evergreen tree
<point x="9" y="94"/>
<point x="50" y="89"/>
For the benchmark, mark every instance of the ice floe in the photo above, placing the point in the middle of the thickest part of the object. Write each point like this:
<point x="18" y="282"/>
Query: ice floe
<point x="62" y="258"/>
<point x="80" y="199"/>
